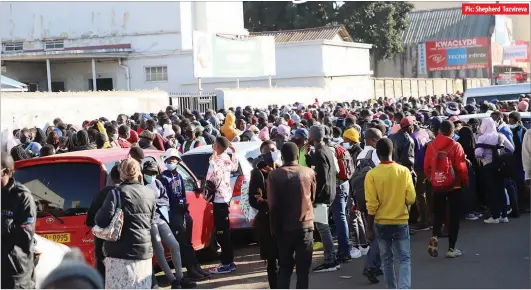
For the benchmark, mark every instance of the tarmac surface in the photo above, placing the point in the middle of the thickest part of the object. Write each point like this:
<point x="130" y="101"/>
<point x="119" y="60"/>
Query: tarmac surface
<point x="494" y="257"/>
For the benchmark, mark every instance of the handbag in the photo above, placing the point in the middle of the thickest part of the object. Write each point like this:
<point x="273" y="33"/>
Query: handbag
<point x="248" y="211"/>
<point x="113" y="231"/>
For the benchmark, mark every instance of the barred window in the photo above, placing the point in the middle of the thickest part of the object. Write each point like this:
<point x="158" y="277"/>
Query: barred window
<point x="12" y="46"/>
<point x="157" y="74"/>
<point x="54" y="44"/>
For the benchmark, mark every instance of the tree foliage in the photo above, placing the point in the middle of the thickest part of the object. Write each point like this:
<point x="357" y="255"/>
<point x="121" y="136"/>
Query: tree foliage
<point x="377" y="23"/>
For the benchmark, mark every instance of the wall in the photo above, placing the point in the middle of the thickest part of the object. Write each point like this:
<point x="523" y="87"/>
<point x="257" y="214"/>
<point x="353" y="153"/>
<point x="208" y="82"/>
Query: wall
<point x="418" y="87"/>
<point x="35" y="109"/>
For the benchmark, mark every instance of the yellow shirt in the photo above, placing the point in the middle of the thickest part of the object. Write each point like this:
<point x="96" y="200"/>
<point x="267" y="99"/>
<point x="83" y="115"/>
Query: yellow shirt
<point x="389" y="191"/>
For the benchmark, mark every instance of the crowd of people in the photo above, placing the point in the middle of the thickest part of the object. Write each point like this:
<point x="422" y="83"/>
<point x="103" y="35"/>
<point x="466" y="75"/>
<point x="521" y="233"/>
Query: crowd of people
<point x="382" y="168"/>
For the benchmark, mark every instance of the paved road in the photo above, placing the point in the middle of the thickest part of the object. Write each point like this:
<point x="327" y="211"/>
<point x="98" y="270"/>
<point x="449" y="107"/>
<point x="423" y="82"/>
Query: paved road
<point x="495" y="256"/>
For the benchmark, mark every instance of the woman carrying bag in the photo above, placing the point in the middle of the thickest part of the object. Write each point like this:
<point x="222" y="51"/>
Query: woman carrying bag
<point x="127" y="213"/>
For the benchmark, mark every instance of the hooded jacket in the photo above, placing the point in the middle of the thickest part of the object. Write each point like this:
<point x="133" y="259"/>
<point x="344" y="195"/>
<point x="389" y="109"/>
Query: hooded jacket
<point x="490" y="136"/>
<point x="228" y="129"/>
<point x="455" y="153"/>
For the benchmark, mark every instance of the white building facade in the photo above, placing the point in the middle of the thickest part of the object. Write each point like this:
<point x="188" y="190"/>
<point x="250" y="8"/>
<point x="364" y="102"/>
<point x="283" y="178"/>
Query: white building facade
<point x="79" y="46"/>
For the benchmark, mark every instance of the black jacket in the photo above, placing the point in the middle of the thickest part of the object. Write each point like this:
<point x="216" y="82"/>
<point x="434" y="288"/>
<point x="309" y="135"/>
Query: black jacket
<point x="325" y="171"/>
<point x="404" y="149"/>
<point x="19" y="214"/>
<point x="138" y="205"/>
<point x="97" y="203"/>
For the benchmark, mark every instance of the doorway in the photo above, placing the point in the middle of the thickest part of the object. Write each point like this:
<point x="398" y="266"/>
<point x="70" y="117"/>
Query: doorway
<point x="103" y="84"/>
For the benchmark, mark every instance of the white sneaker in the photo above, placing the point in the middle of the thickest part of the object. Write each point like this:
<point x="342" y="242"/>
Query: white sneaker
<point x="492" y="221"/>
<point x="504" y="220"/>
<point x="453" y="253"/>
<point x="355" y="253"/>
<point x="365" y="250"/>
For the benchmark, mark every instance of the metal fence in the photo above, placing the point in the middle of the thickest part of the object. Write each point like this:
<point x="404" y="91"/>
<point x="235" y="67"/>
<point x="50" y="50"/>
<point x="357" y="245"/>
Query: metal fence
<point x="201" y="102"/>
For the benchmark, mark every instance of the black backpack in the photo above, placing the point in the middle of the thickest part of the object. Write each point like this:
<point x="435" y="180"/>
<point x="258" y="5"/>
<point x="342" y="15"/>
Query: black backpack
<point x="357" y="182"/>
<point x="504" y="160"/>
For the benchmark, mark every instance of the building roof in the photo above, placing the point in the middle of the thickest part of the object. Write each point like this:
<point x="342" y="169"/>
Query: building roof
<point x="317" y="33"/>
<point x="9" y="83"/>
<point x="445" y="24"/>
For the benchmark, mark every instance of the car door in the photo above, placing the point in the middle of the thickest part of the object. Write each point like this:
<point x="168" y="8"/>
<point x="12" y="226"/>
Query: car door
<point x="202" y="212"/>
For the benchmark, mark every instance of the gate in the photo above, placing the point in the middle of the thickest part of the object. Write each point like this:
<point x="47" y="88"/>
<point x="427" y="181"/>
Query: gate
<point x="201" y="102"/>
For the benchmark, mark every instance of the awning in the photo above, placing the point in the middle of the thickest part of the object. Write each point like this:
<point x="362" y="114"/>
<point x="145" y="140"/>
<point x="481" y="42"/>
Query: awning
<point x="87" y="52"/>
<point x="10" y="85"/>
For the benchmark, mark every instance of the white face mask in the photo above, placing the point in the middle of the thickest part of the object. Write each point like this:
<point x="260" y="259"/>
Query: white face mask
<point x="347" y="145"/>
<point x="513" y="126"/>
<point x="277" y="156"/>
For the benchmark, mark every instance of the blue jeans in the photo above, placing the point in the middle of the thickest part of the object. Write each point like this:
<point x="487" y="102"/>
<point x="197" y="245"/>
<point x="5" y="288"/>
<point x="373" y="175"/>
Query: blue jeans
<point x="373" y="260"/>
<point x="328" y="242"/>
<point x="339" y="208"/>
<point x="395" y="240"/>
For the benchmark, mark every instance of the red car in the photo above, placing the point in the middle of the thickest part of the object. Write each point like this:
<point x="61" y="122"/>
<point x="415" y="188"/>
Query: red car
<point x="63" y="186"/>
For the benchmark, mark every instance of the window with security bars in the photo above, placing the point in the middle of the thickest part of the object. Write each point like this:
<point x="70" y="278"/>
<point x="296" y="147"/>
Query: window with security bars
<point x="12" y="46"/>
<point x="54" y="44"/>
<point x="157" y="74"/>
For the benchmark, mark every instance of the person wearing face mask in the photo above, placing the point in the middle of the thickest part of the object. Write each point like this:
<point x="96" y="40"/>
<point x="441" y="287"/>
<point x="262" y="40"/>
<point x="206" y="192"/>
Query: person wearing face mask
<point x="113" y="135"/>
<point x="180" y="220"/>
<point x="169" y="136"/>
<point x="300" y="138"/>
<point x="351" y="142"/>
<point x="161" y="231"/>
<point x="267" y="162"/>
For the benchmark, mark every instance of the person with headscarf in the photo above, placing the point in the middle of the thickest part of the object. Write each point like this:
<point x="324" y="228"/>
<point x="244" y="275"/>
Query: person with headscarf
<point x="228" y="129"/>
<point x="469" y="195"/>
<point x="491" y="175"/>
<point x="128" y="260"/>
<point x="82" y="141"/>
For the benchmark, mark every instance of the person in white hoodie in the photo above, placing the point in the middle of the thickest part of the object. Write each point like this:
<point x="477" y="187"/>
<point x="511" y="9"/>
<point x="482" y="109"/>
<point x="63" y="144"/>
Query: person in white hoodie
<point x="494" y="181"/>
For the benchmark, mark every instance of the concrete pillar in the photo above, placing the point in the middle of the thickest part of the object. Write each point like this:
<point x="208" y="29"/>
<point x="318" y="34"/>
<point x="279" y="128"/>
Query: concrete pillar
<point x="94" y="88"/>
<point x="48" y="75"/>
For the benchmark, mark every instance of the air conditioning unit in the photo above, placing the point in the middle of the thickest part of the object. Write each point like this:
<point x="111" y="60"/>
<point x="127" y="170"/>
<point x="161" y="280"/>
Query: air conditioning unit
<point x="3" y="69"/>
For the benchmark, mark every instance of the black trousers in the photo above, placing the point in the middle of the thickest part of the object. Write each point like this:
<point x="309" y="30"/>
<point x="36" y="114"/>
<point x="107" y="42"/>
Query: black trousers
<point x="440" y="200"/>
<point x="268" y="248"/>
<point x="301" y="243"/>
<point x="496" y="191"/>
<point x="99" y="257"/>
<point x="222" y="224"/>
<point x="182" y="224"/>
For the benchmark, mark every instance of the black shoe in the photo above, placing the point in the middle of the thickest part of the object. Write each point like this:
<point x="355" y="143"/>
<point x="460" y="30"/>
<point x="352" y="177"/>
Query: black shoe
<point x="194" y="275"/>
<point x="176" y="284"/>
<point x="371" y="275"/>
<point x="378" y="272"/>
<point x="325" y="268"/>
<point x="206" y="274"/>
<point x="188" y="284"/>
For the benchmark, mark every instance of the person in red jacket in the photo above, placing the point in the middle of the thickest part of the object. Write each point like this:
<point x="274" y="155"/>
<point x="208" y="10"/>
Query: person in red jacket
<point x="457" y="161"/>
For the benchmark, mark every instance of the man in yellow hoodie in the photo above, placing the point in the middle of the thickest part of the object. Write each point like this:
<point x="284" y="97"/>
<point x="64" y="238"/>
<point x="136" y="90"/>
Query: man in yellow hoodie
<point x="389" y="193"/>
<point x="229" y="129"/>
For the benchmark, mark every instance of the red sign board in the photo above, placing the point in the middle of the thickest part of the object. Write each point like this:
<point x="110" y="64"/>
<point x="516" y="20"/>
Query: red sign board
<point x="457" y="54"/>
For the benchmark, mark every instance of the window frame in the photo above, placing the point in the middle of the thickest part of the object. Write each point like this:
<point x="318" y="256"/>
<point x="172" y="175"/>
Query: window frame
<point x="13" y="44"/>
<point x="150" y="74"/>
<point x="187" y="176"/>
<point x="55" y="43"/>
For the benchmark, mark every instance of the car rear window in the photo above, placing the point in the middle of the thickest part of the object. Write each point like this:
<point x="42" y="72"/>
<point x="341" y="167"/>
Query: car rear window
<point x="61" y="189"/>
<point x="481" y="99"/>
<point x="198" y="164"/>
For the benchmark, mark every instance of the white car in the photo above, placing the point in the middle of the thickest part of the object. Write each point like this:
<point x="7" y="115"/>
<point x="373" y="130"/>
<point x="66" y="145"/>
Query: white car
<point x="51" y="255"/>
<point x="197" y="160"/>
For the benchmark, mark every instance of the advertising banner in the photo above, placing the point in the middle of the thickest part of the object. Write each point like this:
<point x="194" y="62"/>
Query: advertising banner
<point x="232" y="57"/>
<point x="516" y="52"/>
<point x="470" y="53"/>
<point x="422" y="68"/>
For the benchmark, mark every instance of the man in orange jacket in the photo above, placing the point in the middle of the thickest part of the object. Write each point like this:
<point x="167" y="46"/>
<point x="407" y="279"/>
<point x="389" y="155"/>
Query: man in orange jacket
<point x="441" y="149"/>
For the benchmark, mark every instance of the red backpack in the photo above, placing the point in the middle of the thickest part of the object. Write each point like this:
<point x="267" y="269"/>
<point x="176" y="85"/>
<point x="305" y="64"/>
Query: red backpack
<point x="442" y="175"/>
<point x="346" y="164"/>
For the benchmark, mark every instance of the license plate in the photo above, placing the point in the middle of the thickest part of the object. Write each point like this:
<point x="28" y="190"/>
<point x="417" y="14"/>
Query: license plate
<point x="58" y="238"/>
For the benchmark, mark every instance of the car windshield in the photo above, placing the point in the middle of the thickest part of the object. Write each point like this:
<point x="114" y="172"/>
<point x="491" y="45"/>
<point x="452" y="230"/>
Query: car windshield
<point x="61" y="189"/>
<point x="198" y="164"/>
<point x="481" y="99"/>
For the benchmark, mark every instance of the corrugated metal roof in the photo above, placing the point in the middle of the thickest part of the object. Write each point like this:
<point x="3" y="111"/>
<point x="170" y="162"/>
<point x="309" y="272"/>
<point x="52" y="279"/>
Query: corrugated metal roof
<point x="443" y="24"/>
<point x="296" y="35"/>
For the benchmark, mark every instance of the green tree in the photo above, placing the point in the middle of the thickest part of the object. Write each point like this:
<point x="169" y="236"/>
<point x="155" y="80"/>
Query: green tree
<point x="377" y="23"/>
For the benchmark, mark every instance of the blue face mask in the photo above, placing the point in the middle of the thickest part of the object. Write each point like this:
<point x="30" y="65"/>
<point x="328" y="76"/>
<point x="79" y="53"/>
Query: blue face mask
<point x="148" y="178"/>
<point x="171" y="166"/>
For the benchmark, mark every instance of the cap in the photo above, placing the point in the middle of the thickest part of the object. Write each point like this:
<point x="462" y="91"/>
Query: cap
<point x="407" y="121"/>
<point x="523" y="106"/>
<point x="283" y="130"/>
<point x="308" y="115"/>
<point x="147" y="135"/>
<point x="474" y="121"/>
<point x="302" y="132"/>
<point x="150" y="166"/>
<point x="352" y="135"/>
<point x="220" y="116"/>
<point x="172" y="152"/>
<point x="454" y="119"/>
